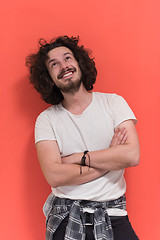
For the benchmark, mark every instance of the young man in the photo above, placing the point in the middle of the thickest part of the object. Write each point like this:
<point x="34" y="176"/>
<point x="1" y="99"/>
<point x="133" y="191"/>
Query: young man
<point x="84" y="142"/>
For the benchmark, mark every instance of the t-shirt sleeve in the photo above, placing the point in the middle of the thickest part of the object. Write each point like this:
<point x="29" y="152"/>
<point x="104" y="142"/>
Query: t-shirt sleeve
<point x="43" y="128"/>
<point x="121" y="110"/>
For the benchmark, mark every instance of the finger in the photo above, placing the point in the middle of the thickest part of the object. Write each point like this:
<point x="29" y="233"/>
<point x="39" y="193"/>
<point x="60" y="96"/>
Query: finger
<point x="123" y="136"/>
<point x="124" y="139"/>
<point x="120" y="135"/>
<point x="114" y="138"/>
<point x="116" y="130"/>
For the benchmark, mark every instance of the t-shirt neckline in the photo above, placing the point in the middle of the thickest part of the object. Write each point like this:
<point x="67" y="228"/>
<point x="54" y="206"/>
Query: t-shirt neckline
<point x="85" y="110"/>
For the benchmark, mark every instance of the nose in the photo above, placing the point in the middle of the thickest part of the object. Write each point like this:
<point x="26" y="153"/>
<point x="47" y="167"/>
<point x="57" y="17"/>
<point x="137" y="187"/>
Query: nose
<point x="64" y="65"/>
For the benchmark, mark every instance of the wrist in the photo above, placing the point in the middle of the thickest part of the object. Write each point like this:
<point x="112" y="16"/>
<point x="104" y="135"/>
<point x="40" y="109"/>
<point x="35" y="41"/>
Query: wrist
<point x="83" y="160"/>
<point x="88" y="160"/>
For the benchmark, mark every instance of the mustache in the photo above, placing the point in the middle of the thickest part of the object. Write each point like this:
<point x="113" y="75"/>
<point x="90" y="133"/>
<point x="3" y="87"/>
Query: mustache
<point x="73" y="69"/>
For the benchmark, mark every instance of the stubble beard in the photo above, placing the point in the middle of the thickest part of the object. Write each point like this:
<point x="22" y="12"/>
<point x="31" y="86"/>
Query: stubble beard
<point x="70" y="86"/>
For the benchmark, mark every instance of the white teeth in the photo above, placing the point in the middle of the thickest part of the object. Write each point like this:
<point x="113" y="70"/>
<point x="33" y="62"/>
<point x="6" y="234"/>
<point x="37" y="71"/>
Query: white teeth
<point x="67" y="74"/>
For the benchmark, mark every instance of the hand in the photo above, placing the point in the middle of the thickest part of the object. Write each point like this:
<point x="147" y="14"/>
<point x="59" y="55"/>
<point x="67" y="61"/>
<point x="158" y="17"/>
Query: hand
<point x="119" y="137"/>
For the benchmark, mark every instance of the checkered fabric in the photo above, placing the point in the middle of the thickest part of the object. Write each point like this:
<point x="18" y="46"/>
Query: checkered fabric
<point x="56" y="209"/>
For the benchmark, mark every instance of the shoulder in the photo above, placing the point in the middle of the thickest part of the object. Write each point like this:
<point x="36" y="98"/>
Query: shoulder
<point x="45" y="125"/>
<point x="106" y="95"/>
<point x="117" y="106"/>
<point x="50" y="112"/>
<point x="113" y="100"/>
<point x="110" y="98"/>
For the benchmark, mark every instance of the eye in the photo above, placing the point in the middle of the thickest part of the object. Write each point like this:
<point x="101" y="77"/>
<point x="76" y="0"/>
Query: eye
<point x="54" y="64"/>
<point x="67" y="58"/>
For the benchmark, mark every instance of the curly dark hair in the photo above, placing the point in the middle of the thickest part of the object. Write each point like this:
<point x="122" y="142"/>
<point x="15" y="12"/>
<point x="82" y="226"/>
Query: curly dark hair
<point x="40" y="77"/>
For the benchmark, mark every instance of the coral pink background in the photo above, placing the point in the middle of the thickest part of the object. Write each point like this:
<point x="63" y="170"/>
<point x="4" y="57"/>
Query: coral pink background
<point x="124" y="36"/>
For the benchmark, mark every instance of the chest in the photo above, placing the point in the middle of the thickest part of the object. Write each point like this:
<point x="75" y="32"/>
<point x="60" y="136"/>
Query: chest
<point x="92" y="131"/>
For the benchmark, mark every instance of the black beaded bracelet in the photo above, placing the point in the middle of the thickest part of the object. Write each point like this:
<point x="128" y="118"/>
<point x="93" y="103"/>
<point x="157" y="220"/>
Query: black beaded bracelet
<point x="83" y="160"/>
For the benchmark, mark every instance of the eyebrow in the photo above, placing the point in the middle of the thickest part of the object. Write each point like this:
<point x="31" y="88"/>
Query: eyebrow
<point x="54" y="59"/>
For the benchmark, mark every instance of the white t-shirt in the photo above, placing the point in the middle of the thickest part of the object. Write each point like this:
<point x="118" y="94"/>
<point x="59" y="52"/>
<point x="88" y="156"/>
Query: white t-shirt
<point x="92" y="130"/>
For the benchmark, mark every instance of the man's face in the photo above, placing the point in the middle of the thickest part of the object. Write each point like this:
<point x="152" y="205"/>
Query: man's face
<point x="64" y="69"/>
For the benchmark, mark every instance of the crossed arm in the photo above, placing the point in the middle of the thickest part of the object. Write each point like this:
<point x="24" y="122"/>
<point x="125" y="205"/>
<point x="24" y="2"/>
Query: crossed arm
<point x="123" y="152"/>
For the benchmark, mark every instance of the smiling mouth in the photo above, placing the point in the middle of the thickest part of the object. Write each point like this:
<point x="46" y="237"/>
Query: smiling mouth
<point x="67" y="73"/>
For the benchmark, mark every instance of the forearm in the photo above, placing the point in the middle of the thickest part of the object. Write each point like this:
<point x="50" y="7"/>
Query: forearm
<point x="69" y="174"/>
<point x="114" y="158"/>
<point x="118" y="156"/>
<point x="122" y="153"/>
<point x="58" y="173"/>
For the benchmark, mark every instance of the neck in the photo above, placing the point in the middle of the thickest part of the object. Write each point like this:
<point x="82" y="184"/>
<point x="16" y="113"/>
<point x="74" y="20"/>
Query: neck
<point x="77" y="102"/>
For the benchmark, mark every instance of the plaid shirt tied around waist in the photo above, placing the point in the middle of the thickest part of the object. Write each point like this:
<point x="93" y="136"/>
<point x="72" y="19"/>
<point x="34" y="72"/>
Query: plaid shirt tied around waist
<point x="56" y="209"/>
